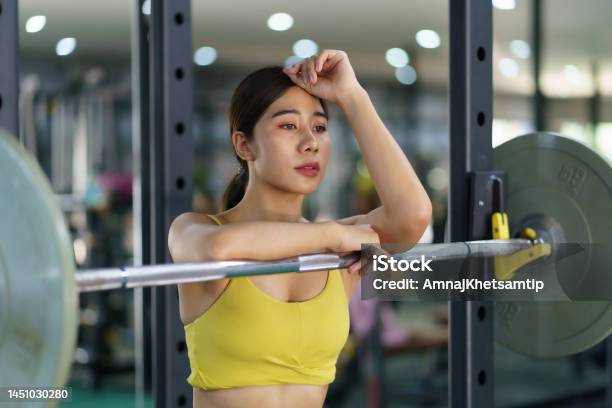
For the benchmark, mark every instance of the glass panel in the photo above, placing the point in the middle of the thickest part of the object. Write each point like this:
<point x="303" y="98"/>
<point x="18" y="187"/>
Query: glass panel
<point x="573" y="69"/>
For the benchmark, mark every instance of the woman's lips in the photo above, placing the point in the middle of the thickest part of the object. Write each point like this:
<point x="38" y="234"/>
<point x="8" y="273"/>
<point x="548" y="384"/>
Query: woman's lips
<point x="310" y="172"/>
<point x="309" y="169"/>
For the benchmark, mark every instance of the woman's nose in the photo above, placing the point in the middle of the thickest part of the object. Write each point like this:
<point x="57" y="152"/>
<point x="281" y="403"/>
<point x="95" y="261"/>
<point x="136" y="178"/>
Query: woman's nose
<point x="309" y="142"/>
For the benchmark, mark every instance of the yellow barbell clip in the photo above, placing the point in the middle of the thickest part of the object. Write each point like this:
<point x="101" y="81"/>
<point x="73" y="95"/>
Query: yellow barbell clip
<point x="499" y="223"/>
<point x="505" y="266"/>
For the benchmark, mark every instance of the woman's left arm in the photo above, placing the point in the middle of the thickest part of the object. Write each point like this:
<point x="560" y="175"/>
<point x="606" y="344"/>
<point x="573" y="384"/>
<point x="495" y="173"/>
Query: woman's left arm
<point x="406" y="209"/>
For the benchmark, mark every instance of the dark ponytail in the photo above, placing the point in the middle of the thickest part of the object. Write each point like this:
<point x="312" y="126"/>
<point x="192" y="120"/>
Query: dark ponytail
<point x="250" y="100"/>
<point x="236" y="187"/>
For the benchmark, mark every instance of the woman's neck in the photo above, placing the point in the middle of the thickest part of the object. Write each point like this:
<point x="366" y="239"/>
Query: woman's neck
<point x="268" y="204"/>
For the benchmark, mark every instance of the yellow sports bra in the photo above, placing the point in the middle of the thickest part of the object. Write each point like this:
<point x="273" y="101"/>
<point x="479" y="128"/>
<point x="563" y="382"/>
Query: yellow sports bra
<point x="249" y="338"/>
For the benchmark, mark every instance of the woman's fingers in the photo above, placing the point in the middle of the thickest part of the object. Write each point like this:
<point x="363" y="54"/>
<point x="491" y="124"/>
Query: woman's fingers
<point x="320" y="59"/>
<point x="326" y="59"/>
<point x="293" y="69"/>
<point x="309" y="71"/>
<point x="310" y="67"/>
<point x="303" y="73"/>
<point x="355" y="267"/>
<point x="332" y="61"/>
<point x="298" y="67"/>
<point x="295" y="75"/>
<point x="332" y="57"/>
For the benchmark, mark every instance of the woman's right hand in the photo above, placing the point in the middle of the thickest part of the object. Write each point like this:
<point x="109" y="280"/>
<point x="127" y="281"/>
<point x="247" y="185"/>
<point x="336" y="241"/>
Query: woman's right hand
<point x="350" y="237"/>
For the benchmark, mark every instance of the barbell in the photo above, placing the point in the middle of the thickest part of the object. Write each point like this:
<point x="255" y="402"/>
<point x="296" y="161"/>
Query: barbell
<point x="556" y="185"/>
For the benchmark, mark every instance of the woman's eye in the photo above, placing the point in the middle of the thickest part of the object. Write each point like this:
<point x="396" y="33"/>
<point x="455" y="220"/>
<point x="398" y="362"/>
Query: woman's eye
<point x="288" y="124"/>
<point x="321" y="128"/>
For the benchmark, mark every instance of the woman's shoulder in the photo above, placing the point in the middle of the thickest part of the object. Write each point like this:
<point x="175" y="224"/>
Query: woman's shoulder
<point x="192" y="217"/>
<point x="186" y="230"/>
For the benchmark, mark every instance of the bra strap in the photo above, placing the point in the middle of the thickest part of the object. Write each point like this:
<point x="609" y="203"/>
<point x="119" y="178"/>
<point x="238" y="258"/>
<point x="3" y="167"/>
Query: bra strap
<point x="214" y="218"/>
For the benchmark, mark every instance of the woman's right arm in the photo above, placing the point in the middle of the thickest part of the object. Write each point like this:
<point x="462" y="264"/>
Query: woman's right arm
<point x="194" y="238"/>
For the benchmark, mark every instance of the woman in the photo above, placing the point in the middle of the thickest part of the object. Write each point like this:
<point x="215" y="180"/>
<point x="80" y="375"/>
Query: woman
<point x="273" y="341"/>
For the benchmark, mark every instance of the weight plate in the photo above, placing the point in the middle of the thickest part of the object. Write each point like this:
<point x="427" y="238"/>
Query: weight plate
<point x="564" y="187"/>
<point x="38" y="297"/>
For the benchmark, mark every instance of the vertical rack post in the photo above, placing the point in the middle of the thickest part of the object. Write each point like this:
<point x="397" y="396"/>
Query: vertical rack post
<point x="9" y="74"/>
<point x="539" y="102"/>
<point x="471" y="113"/>
<point x="171" y="183"/>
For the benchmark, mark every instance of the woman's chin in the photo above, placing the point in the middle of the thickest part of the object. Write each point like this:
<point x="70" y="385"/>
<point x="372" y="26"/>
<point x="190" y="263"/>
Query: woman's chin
<point x="304" y="189"/>
<point x="308" y="186"/>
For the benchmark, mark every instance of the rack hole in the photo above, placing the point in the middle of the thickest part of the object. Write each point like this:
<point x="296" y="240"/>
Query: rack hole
<point x="481" y="54"/>
<point x="482" y="313"/>
<point x="179" y="74"/>
<point x="180" y="183"/>
<point x="481" y="118"/>
<point x="178" y="18"/>
<point x="482" y="377"/>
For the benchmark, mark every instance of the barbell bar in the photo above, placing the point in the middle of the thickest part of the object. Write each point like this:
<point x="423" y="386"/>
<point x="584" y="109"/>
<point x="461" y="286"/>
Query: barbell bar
<point x="169" y="274"/>
<point x="549" y="177"/>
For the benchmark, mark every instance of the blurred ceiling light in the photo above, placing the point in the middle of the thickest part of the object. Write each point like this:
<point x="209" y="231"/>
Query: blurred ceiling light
<point x="504" y="4"/>
<point x="80" y="250"/>
<point x="508" y="67"/>
<point x="294" y="59"/>
<point x="65" y="46"/>
<point x="280" y="22"/>
<point x="406" y="75"/>
<point x="35" y="24"/>
<point x="437" y="178"/>
<point x="204" y="56"/>
<point x="146" y="8"/>
<point x="305" y="48"/>
<point x="397" y="57"/>
<point x="520" y="48"/>
<point x="81" y="356"/>
<point x="572" y="73"/>
<point x="428" y="39"/>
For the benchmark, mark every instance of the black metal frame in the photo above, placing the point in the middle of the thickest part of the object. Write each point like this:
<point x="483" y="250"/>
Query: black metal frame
<point x="539" y="102"/>
<point x="9" y="74"/>
<point x="171" y="104"/>
<point x="471" y="113"/>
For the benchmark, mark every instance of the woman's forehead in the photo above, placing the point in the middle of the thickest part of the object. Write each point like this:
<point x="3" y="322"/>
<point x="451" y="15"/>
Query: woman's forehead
<point x="298" y="99"/>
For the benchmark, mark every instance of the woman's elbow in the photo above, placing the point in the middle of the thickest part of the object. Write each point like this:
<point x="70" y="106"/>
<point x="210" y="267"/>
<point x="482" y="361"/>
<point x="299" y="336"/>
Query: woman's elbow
<point x="412" y="229"/>
<point x="424" y="215"/>
<point x="188" y="245"/>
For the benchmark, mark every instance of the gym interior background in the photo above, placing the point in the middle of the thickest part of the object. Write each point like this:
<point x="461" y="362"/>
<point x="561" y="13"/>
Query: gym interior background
<point x="75" y="109"/>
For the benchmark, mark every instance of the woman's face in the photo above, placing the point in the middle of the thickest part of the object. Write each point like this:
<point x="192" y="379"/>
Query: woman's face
<point x="292" y="132"/>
